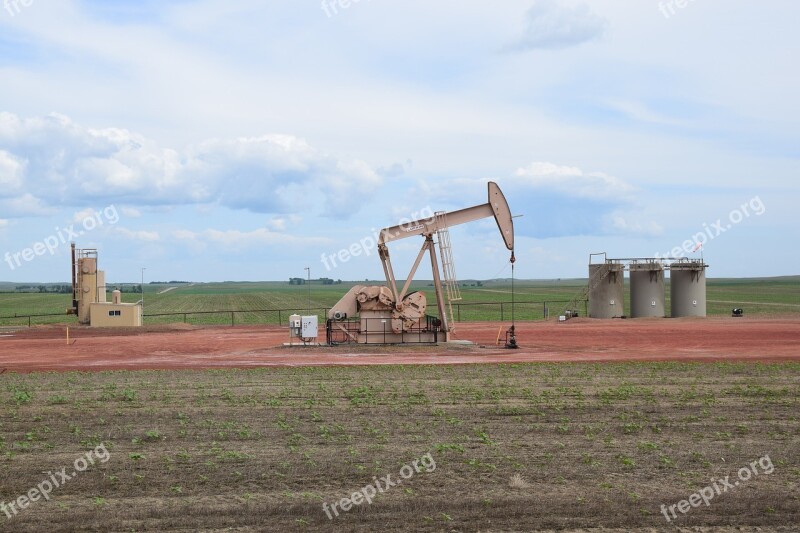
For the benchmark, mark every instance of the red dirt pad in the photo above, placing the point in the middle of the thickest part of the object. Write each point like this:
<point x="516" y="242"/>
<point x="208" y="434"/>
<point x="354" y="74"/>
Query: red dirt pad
<point x="180" y="346"/>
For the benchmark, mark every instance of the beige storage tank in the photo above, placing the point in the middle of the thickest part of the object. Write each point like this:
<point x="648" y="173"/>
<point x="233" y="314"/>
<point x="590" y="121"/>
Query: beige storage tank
<point x="688" y="288"/>
<point x="606" y="290"/>
<point x="647" y="290"/>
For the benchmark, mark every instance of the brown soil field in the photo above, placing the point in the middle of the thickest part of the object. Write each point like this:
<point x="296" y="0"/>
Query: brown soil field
<point x="655" y="411"/>
<point x="180" y="346"/>
<point x="512" y="447"/>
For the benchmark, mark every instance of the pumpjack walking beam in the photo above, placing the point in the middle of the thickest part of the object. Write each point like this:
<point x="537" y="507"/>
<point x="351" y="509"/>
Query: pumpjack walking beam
<point x="496" y="207"/>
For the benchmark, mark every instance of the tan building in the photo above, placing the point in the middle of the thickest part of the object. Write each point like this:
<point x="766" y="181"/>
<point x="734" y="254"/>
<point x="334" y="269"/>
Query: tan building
<point x="115" y="314"/>
<point x="89" y="295"/>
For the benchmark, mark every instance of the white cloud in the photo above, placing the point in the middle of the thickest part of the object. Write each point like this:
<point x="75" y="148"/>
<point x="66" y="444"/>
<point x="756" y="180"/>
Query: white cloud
<point x="67" y="163"/>
<point x="550" y="25"/>
<point x="277" y="223"/>
<point x="573" y="181"/>
<point x="557" y="201"/>
<point x="238" y="240"/>
<point x="82" y="215"/>
<point x="618" y="223"/>
<point x="140" y="235"/>
<point x="11" y="171"/>
<point x="130" y="212"/>
<point x="26" y="205"/>
<point x="3" y="223"/>
<point x="283" y="223"/>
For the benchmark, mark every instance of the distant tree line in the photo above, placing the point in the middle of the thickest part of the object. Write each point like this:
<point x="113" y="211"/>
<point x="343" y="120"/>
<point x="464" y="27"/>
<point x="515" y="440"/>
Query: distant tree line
<point x="67" y="289"/>
<point x="125" y="288"/>
<point x="57" y="289"/>
<point x="323" y="281"/>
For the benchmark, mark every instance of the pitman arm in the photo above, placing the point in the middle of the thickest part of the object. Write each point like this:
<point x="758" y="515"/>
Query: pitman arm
<point x="497" y="206"/>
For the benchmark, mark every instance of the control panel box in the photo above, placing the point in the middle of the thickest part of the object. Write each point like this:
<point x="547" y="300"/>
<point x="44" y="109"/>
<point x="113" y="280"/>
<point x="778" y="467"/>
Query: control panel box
<point x="309" y="327"/>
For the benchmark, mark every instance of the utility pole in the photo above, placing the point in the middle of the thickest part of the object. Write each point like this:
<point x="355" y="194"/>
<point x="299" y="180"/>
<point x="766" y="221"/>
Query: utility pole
<point x="142" y="287"/>
<point x="308" y="270"/>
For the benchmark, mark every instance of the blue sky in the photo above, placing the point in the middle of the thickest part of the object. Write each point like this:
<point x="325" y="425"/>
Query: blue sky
<point x="244" y="140"/>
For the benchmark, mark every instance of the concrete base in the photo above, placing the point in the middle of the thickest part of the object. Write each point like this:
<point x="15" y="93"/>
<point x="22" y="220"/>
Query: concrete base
<point x="300" y="344"/>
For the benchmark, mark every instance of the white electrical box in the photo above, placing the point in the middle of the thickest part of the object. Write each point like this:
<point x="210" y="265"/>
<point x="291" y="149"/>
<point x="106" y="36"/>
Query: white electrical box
<point x="295" y="323"/>
<point x="309" y="328"/>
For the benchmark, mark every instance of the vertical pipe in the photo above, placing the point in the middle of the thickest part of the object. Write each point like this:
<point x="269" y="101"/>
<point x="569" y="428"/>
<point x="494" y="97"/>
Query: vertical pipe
<point x="74" y="288"/>
<point x="438" y="287"/>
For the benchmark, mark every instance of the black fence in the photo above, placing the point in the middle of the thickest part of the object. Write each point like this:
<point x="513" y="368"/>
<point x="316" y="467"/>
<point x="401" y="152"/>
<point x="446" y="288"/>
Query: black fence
<point x="494" y="311"/>
<point x="462" y="312"/>
<point x="29" y="320"/>
<point x="232" y="318"/>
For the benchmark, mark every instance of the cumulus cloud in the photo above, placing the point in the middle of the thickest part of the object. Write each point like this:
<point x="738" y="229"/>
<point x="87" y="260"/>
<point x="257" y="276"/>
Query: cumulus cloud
<point x="25" y="205"/>
<point x="618" y="222"/>
<point x="130" y="212"/>
<point x="238" y="240"/>
<point x="283" y="223"/>
<point x="82" y="215"/>
<point x="550" y="26"/>
<point x="395" y="170"/>
<point x="11" y="172"/>
<point x="557" y="201"/>
<point x="138" y="235"/>
<point x="573" y="181"/>
<point x="67" y="164"/>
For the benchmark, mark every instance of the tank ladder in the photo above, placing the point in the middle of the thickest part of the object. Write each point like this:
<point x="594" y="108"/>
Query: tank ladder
<point x="596" y="279"/>
<point x="449" y="279"/>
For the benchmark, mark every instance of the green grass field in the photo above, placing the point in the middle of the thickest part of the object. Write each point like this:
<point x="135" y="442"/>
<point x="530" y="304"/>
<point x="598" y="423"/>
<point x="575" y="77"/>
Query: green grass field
<point x="759" y="297"/>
